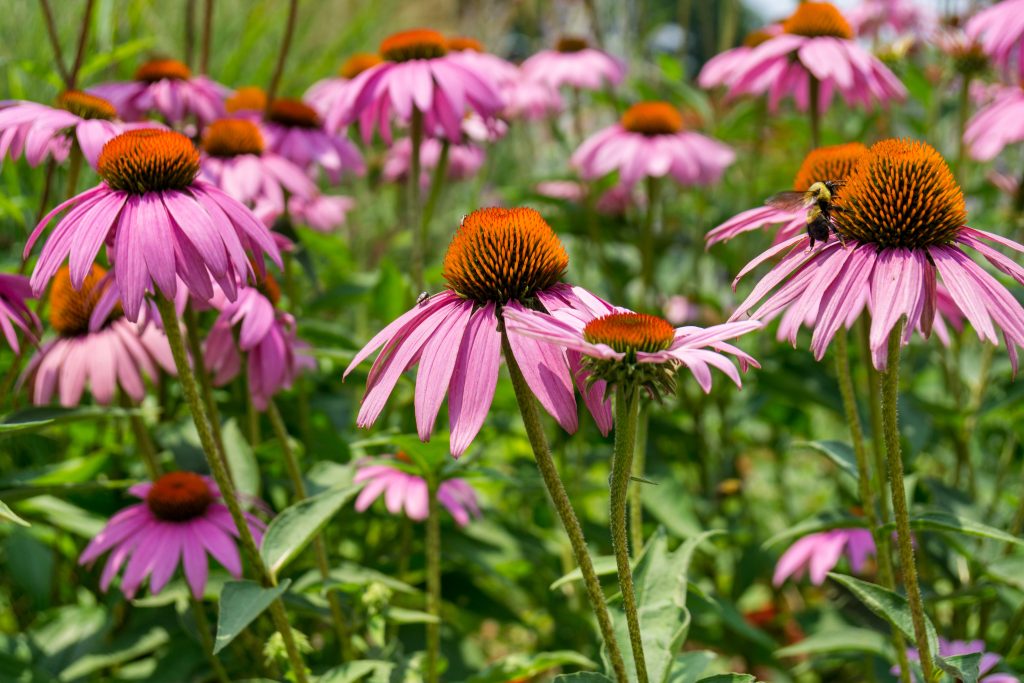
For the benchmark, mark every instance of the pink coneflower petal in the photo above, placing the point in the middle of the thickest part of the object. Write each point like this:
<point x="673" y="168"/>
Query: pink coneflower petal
<point x="437" y="363"/>
<point x="474" y="378"/>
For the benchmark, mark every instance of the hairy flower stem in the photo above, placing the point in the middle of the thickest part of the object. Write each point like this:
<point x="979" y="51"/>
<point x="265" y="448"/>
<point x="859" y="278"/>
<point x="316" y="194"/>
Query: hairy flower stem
<point x="867" y="497"/>
<point x="436" y="185"/>
<point x="563" y="506"/>
<point x="413" y="207"/>
<point x="74" y="168"/>
<point x="143" y="441"/>
<point x="206" y="639"/>
<point x="814" y="110"/>
<point x="636" y="510"/>
<point x="291" y="462"/>
<point x="648" y="264"/>
<point x="219" y="470"/>
<point x="282" y="53"/>
<point x="195" y="348"/>
<point x="894" y="458"/>
<point x="627" y="404"/>
<point x="204" y="54"/>
<point x="433" y="582"/>
<point x="877" y="450"/>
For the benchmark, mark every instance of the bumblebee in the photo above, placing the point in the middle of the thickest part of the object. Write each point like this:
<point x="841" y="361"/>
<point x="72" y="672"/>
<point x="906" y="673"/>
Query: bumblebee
<point x="819" y="200"/>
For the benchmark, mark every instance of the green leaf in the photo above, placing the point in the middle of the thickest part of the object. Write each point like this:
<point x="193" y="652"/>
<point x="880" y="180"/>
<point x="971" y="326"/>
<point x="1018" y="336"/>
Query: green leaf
<point x="888" y="605"/>
<point x="9" y="514"/>
<point x="824" y="521"/>
<point x="240" y="603"/>
<point x="524" y="667"/>
<point x="583" y="677"/>
<point x="839" y="452"/>
<point x="943" y="521"/>
<point x="964" y="668"/>
<point x="729" y="678"/>
<point x="687" y="667"/>
<point x="1008" y="570"/>
<point x="133" y="646"/>
<point x="403" y="615"/>
<point x="358" y="670"/>
<point x="846" y="639"/>
<point x="660" y="583"/>
<point x="290" y="532"/>
<point x="242" y="461"/>
<point x="35" y="419"/>
<point x="603" y="566"/>
<point x="350" y="576"/>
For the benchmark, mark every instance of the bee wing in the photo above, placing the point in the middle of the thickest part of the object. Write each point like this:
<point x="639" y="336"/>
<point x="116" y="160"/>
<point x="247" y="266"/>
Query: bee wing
<point x="788" y="201"/>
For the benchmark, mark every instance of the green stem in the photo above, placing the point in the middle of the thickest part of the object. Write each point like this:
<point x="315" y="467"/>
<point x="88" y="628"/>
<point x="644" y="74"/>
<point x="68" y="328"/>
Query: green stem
<point x="577" y="116"/>
<point x="813" y="90"/>
<point x="964" y="111"/>
<point x="282" y="53"/>
<point x="206" y="638"/>
<point x="219" y="470"/>
<point x="319" y="546"/>
<point x="190" y="27"/>
<point x="867" y="498"/>
<point x="647" y="248"/>
<point x="433" y="583"/>
<point x="563" y="506"/>
<point x="626" y="413"/>
<point x="204" y="55"/>
<point x="413" y="208"/>
<point x="195" y="348"/>
<point x="51" y="33"/>
<point x="436" y="185"/>
<point x="875" y="406"/>
<point x="894" y="459"/>
<point x="74" y="168"/>
<point x="636" y="510"/>
<point x="143" y="441"/>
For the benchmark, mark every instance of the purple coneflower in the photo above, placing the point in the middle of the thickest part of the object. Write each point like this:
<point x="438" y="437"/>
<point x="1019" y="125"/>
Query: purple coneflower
<point x="902" y="218"/>
<point x="720" y="69"/>
<point x="1000" y="30"/>
<point x="328" y="93"/>
<point x="168" y="88"/>
<point x="416" y="76"/>
<point x="15" y="314"/>
<point x="998" y="124"/>
<point x="39" y="131"/>
<point x="295" y="131"/>
<point x="499" y="260"/>
<point x="817" y="554"/>
<point x="236" y="161"/>
<point x="180" y="521"/>
<point x="617" y="342"/>
<point x="892" y="19"/>
<point x="815" y="52"/>
<point x="158" y="221"/>
<point x="105" y="356"/>
<point x="408" y="492"/>
<point x="650" y="141"/>
<point x="265" y="334"/>
<point x="322" y="212"/>
<point x="835" y="163"/>
<point x="574" y="63"/>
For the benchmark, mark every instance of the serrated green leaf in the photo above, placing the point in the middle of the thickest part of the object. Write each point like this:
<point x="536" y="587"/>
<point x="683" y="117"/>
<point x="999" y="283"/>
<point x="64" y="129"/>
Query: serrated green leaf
<point x="290" y="532"/>
<point x="888" y="605"/>
<point x="240" y="603"/>
<point x="839" y="452"/>
<point x="660" y="582"/>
